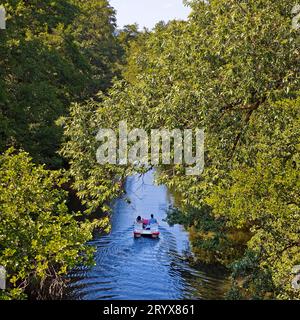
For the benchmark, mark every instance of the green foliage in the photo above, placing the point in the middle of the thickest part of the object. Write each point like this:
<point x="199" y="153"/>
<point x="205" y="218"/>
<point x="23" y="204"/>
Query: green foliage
<point x="52" y="53"/>
<point x="264" y="195"/>
<point x="233" y="69"/>
<point x="249" y="281"/>
<point x="39" y="239"/>
<point x="96" y="184"/>
<point x="53" y="56"/>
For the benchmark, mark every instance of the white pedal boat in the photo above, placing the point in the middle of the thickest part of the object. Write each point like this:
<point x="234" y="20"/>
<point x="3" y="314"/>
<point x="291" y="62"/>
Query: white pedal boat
<point x="148" y="231"/>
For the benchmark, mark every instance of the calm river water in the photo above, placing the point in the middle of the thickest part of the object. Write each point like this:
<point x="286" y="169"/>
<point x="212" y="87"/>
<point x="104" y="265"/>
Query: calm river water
<point x="144" y="269"/>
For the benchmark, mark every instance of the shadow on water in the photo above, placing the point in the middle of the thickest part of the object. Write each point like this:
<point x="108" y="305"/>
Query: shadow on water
<point x="145" y="268"/>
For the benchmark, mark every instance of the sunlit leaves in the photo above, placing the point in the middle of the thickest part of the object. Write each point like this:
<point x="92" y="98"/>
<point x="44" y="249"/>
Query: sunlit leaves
<point x="232" y="69"/>
<point x="39" y="239"/>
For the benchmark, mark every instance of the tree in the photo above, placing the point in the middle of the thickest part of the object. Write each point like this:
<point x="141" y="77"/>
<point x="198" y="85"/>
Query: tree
<point x="96" y="185"/>
<point x="40" y="239"/>
<point x="52" y="53"/>
<point x="232" y="69"/>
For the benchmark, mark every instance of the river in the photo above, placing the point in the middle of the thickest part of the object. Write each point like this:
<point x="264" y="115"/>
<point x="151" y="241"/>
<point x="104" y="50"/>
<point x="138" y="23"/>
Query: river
<point x="145" y="268"/>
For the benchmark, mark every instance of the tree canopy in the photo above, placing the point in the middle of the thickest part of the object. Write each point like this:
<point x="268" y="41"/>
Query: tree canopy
<point x="232" y="69"/>
<point x="52" y="53"/>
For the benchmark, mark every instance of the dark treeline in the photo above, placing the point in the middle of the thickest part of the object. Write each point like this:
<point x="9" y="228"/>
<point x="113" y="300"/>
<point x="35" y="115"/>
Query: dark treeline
<point x="232" y="69"/>
<point x="52" y="54"/>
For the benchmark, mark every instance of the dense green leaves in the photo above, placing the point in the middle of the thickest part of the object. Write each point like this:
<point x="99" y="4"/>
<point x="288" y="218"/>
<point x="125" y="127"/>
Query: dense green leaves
<point x="96" y="184"/>
<point x="52" y="53"/>
<point x="39" y="239"/>
<point x="232" y="69"/>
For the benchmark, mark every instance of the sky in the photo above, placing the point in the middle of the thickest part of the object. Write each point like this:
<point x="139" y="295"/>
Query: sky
<point x="146" y="13"/>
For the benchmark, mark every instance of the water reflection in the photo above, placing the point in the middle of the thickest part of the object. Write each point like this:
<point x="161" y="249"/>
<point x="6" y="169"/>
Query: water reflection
<point x="145" y="268"/>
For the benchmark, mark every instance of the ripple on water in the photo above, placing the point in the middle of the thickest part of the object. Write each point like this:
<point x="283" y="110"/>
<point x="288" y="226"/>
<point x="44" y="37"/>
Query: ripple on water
<point x="145" y="268"/>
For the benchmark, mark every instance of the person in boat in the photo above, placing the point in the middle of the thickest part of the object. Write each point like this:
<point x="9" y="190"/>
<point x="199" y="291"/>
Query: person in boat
<point x="152" y="220"/>
<point x="139" y="219"/>
<point x="145" y="223"/>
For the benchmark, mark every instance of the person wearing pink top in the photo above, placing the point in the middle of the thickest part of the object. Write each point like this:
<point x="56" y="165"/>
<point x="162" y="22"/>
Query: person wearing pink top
<point x="145" y="222"/>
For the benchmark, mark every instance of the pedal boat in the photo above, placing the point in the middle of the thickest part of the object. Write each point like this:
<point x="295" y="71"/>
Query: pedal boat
<point x="146" y="231"/>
